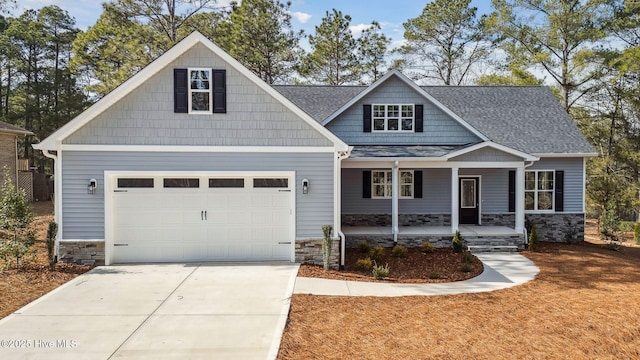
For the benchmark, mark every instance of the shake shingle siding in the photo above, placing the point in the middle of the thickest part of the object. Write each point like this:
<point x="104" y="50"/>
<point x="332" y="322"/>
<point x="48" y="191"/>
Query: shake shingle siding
<point x="146" y="116"/>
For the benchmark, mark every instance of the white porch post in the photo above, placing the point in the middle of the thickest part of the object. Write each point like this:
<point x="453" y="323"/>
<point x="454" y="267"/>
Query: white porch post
<point x="394" y="200"/>
<point x="519" y="188"/>
<point x="455" y="192"/>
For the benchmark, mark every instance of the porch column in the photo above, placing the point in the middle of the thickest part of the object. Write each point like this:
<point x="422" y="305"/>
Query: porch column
<point x="394" y="200"/>
<point x="455" y="192"/>
<point x="519" y="199"/>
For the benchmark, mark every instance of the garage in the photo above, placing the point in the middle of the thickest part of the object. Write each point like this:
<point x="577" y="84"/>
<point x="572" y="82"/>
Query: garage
<point x="189" y="217"/>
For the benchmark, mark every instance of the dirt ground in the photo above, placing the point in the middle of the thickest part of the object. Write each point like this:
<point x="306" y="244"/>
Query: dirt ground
<point x="18" y="288"/>
<point x="584" y="304"/>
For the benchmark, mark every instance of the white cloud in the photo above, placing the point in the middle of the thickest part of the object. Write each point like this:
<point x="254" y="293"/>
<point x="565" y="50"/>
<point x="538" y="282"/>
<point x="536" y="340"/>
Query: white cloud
<point x="301" y="17"/>
<point x="358" y="29"/>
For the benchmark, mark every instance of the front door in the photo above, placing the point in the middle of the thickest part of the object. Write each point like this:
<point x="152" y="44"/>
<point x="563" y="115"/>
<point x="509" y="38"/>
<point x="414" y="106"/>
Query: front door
<point x="469" y="200"/>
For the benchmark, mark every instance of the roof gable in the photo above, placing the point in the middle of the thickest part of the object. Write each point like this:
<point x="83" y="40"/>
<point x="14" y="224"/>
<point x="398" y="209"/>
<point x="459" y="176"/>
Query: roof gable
<point x="56" y="139"/>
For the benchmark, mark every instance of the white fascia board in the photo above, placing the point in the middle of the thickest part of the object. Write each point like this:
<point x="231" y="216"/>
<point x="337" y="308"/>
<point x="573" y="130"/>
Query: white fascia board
<point x="415" y="87"/>
<point x="566" y="155"/>
<point x="491" y="144"/>
<point x="183" y="149"/>
<point x="52" y="142"/>
<point x="16" y="132"/>
<point x="432" y="163"/>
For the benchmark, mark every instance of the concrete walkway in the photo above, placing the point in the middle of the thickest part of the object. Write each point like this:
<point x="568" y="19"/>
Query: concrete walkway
<point x="163" y="311"/>
<point x="501" y="271"/>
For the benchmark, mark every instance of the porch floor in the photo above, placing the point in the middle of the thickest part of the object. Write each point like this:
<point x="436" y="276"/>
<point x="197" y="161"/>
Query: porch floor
<point x="465" y="230"/>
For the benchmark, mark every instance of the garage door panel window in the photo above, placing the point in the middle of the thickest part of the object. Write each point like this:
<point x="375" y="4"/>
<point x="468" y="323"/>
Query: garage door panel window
<point x="135" y="183"/>
<point x="226" y="183"/>
<point x="181" y="183"/>
<point x="270" y="183"/>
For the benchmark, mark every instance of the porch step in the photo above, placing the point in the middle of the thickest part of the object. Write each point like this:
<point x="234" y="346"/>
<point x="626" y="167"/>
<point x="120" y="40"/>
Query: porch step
<point x="492" y="248"/>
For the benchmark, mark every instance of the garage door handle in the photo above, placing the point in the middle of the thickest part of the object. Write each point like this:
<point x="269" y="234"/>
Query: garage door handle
<point x="284" y="242"/>
<point x="202" y="215"/>
<point x="285" y="190"/>
<point x="205" y="214"/>
<point x="120" y="244"/>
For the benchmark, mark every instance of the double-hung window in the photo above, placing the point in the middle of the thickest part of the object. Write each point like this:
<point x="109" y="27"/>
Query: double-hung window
<point x="381" y="184"/>
<point x="539" y="193"/>
<point x="200" y="98"/>
<point x="399" y="117"/>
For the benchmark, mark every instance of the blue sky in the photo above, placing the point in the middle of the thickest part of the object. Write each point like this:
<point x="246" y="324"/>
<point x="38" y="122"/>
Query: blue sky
<point x="306" y="13"/>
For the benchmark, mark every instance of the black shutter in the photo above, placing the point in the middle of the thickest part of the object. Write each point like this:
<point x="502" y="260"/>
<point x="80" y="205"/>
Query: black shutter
<point x="366" y="184"/>
<point x="419" y="118"/>
<point x="219" y="91"/>
<point x="417" y="184"/>
<point x="559" y="184"/>
<point x="512" y="191"/>
<point x="180" y="91"/>
<point x="366" y="119"/>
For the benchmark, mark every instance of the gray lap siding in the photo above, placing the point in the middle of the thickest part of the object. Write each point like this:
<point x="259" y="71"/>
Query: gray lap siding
<point x="83" y="214"/>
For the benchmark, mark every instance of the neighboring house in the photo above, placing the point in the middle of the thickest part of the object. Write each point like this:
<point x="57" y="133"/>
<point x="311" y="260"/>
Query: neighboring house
<point x="195" y="158"/>
<point x="9" y="135"/>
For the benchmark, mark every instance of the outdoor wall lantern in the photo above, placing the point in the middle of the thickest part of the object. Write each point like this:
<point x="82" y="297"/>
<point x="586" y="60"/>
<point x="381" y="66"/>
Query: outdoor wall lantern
<point x="91" y="188"/>
<point x="305" y="186"/>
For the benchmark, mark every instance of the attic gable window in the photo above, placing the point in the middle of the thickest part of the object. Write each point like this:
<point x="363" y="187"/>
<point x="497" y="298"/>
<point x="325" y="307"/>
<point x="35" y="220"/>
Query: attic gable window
<point x="200" y="99"/>
<point x="400" y="117"/>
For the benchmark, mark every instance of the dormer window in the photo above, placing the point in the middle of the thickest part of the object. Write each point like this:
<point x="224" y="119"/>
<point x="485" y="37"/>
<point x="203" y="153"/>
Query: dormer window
<point x="400" y="117"/>
<point x="200" y="99"/>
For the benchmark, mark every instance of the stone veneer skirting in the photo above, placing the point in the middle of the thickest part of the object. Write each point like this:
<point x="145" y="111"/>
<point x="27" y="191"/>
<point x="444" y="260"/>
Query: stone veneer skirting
<point x="403" y="219"/>
<point x="310" y="252"/>
<point x="81" y="252"/>
<point x="92" y="252"/>
<point x="558" y="227"/>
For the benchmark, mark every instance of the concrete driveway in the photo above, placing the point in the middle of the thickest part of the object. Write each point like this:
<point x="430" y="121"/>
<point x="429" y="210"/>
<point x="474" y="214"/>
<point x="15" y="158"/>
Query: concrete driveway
<point x="172" y="311"/>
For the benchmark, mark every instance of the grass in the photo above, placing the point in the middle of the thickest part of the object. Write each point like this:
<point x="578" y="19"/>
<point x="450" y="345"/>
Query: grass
<point x="584" y="304"/>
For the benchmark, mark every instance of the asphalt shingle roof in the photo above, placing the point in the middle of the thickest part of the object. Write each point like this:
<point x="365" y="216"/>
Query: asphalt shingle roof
<point x="408" y="151"/>
<point x="12" y="128"/>
<point x="526" y="118"/>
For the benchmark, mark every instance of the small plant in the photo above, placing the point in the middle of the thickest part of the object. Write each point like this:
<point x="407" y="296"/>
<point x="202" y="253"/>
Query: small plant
<point x="466" y="267"/>
<point x="636" y="233"/>
<point x="18" y="236"/>
<point x="51" y="244"/>
<point x="364" y="247"/>
<point x="467" y="258"/>
<point x="376" y="253"/>
<point x="434" y="275"/>
<point x="364" y="264"/>
<point x="380" y="272"/>
<point x="609" y="230"/>
<point x="428" y="248"/>
<point x="533" y="239"/>
<point x="326" y="246"/>
<point x="399" y="251"/>
<point x="457" y="242"/>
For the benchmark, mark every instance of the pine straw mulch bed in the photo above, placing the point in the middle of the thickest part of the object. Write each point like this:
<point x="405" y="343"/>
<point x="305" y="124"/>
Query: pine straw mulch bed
<point x="20" y="287"/>
<point x="584" y="304"/>
<point x="414" y="267"/>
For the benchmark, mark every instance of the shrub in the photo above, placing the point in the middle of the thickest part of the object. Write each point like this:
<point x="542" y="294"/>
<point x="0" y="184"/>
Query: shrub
<point x="399" y="251"/>
<point x="51" y="244"/>
<point x="376" y="253"/>
<point x="428" y="248"/>
<point x="636" y="233"/>
<point x="467" y="258"/>
<point x="457" y="242"/>
<point x="15" y="219"/>
<point x="364" y="247"/>
<point x="434" y="275"/>
<point x="533" y="239"/>
<point x="364" y="264"/>
<point x="609" y="230"/>
<point x="466" y="267"/>
<point x="380" y="272"/>
<point x="326" y="245"/>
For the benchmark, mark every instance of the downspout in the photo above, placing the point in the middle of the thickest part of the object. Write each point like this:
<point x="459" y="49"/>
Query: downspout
<point x="338" y="204"/>
<point x="57" y="213"/>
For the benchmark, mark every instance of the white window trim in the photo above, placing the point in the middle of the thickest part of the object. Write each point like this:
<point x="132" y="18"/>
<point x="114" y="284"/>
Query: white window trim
<point x="191" y="91"/>
<point x="536" y="190"/>
<point x="388" y="196"/>
<point x="386" y="118"/>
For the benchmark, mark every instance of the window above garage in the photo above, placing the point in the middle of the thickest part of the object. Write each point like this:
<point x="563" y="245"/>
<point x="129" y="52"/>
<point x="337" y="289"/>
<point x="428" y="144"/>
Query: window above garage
<point x="200" y="91"/>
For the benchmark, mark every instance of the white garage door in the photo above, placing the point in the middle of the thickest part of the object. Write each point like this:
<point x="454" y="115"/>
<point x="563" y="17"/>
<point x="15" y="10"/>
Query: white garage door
<point x="197" y="218"/>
